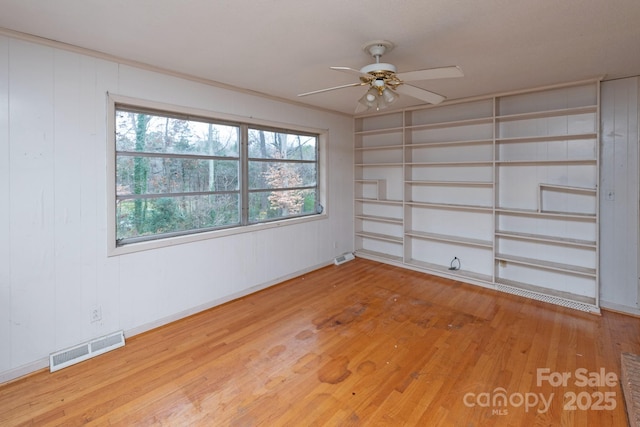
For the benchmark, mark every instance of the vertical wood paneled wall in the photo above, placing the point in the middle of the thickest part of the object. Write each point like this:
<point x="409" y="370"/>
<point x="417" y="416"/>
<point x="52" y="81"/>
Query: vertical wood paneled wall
<point x="54" y="267"/>
<point x="619" y="195"/>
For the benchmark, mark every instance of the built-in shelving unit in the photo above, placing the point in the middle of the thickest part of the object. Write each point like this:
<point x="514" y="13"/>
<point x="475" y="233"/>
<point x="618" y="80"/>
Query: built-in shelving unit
<point x="507" y="185"/>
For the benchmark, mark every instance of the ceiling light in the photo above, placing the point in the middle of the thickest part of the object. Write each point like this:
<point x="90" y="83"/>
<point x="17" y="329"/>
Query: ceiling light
<point x="378" y="97"/>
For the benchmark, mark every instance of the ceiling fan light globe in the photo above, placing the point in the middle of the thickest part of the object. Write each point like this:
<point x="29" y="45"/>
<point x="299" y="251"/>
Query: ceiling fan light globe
<point x="389" y="96"/>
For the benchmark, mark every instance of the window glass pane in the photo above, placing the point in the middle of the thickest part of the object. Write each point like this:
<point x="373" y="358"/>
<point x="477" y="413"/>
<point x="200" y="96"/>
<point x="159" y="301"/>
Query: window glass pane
<point x="162" y="175"/>
<point x="269" y="205"/>
<point x="158" y="134"/>
<point x="179" y="174"/>
<point x="264" y="175"/>
<point x="143" y="217"/>
<point x="265" y="144"/>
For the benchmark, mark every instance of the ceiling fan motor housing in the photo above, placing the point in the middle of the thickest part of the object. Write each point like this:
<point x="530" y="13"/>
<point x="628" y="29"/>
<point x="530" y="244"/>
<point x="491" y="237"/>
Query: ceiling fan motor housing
<point x="378" y="67"/>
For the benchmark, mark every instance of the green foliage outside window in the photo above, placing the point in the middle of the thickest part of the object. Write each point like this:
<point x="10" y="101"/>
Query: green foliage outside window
<point x="176" y="175"/>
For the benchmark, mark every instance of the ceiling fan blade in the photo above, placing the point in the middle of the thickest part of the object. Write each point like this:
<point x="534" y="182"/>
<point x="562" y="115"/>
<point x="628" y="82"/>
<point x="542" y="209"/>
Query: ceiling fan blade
<point x="352" y="71"/>
<point x="431" y="73"/>
<point x="421" y="94"/>
<point x="331" y="88"/>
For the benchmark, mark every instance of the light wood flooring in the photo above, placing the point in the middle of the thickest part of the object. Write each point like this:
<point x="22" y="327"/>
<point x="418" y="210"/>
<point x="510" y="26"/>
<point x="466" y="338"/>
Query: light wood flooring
<point x="362" y="344"/>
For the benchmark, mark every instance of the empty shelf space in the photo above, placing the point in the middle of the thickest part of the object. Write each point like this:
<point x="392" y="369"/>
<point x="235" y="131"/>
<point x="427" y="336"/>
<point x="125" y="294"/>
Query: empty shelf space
<point x="445" y="270"/>
<point x="449" y="206"/>
<point x="376" y="256"/>
<point x="379" y="165"/>
<point x="458" y="163"/>
<point x="450" y="239"/>
<point x="567" y="188"/>
<point x="548" y="113"/>
<point x="549" y="265"/>
<point x="452" y="183"/>
<point x="453" y="123"/>
<point x="449" y="143"/>
<point x="379" y="236"/>
<point x="379" y="147"/>
<point x="379" y="131"/>
<point x="547" y="239"/>
<point x="530" y="212"/>
<point x="543" y="138"/>
<point x="377" y="218"/>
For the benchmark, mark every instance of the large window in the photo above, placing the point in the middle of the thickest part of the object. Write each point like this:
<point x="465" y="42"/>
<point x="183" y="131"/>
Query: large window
<point x="177" y="174"/>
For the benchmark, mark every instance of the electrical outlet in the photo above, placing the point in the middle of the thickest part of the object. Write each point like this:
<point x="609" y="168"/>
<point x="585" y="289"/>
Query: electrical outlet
<point x="96" y="315"/>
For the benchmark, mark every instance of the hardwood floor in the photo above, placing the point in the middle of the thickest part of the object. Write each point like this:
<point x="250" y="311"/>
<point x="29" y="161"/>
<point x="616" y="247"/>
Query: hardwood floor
<point x="362" y="344"/>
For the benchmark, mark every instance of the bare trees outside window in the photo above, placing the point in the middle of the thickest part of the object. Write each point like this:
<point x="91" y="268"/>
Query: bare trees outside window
<point x="181" y="175"/>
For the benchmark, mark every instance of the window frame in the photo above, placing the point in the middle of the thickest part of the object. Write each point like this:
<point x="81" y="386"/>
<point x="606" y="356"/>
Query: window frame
<point x="244" y="123"/>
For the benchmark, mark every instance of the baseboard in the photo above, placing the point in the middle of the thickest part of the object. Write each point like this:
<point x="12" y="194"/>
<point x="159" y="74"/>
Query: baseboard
<point x="197" y="309"/>
<point x="40" y="364"/>
<point x="619" y="308"/>
<point x="24" y="370"/>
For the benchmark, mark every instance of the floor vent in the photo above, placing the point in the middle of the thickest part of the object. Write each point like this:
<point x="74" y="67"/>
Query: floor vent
<point x="78" y="353"/>
<point x="576" y="305"/>
<point x="343" y="258"/>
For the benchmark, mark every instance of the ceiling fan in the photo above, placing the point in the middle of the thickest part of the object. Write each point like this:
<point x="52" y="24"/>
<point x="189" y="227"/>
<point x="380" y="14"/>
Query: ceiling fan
<point x="385" y="84"/>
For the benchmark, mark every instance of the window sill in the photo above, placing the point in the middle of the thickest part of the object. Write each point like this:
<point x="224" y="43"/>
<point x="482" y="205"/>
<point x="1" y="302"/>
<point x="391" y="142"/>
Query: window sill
<point x="208" y="235"/>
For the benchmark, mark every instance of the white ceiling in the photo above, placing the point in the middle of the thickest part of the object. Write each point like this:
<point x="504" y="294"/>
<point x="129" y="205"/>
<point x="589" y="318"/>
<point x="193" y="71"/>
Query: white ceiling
<point x="285" y="47"/>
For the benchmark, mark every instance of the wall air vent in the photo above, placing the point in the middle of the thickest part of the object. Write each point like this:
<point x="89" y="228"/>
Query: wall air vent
<point x="78" y="353"/>
<point x="341" y="259"/>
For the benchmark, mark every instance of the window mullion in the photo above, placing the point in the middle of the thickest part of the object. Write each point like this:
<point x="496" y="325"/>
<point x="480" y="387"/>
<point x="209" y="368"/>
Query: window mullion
<point x="244" y="174"/>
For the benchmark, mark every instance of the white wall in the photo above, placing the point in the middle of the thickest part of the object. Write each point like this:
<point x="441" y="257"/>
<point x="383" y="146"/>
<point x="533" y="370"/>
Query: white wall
<point x="54" y="267"/>
<point x="619" y="195"/>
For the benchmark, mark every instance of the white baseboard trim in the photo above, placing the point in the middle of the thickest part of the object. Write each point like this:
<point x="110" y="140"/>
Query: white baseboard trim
<point x="624" y="309"/>
<point x="43" y="363"/>
<point x="24" y="370"/>
<point x="197" y="309"/>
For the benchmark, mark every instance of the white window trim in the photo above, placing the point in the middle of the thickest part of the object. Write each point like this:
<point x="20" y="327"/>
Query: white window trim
<point x="113" y="250"/>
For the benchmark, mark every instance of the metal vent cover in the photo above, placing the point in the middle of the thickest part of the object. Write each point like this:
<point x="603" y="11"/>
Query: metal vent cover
<point x="84" y="351"/>
<point x="576" y="305"/>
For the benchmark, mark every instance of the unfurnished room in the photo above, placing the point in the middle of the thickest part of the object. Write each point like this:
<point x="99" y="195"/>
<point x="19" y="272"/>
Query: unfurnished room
<point x="291" y="213"/>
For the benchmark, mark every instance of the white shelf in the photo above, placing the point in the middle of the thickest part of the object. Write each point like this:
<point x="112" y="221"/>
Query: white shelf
<point x="377" y="256"/>
<point x="378" y="218"/>
<point x="546" y="162"/>
<point x="379" y="165"/>
<point x="549" y="265"/>
<point x="489" y="162"/>
<point x="379" y="236"/>
<point x="379" y="131"/>
<point x="454" y="123"/>
<point x="548" y="113"/>
<point x="548" y="138"/>
<point x="450" y="239"/>
<point x="449" y="206"/>
<point x="452" y="163"/>
<point x="444" y="270"/>
<point x="380" y="147"/>
<point x="547" y="239"/>
<point x="383" y="202"/>
<point x="535" y="213"/>
<point x="450" y="143"/>
<point x="452" y="183"/>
